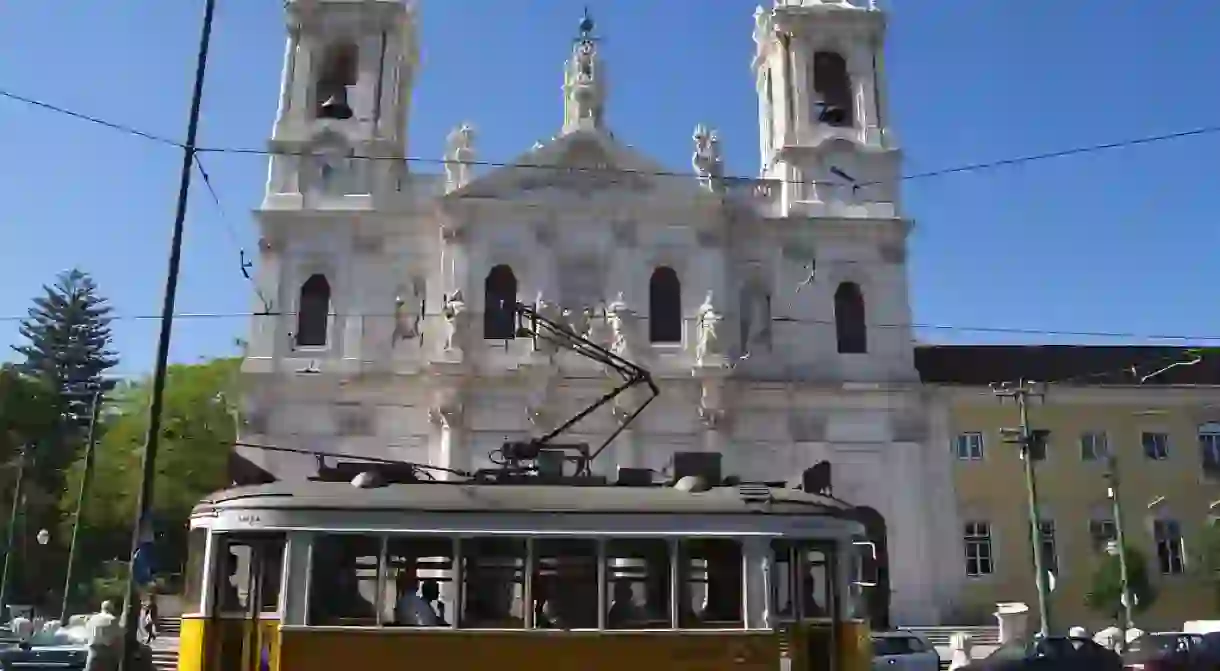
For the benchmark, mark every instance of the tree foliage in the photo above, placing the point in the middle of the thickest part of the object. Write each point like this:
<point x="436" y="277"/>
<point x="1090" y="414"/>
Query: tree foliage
<point x="197" y="433"/>
<point x="1209" y="564"/>
<point x="1105" y="596"/>
<point x="68" y="341"/>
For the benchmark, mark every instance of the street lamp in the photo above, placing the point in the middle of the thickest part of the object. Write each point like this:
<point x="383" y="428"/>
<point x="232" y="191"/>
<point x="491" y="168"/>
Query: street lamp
<point x="43" y="537"/>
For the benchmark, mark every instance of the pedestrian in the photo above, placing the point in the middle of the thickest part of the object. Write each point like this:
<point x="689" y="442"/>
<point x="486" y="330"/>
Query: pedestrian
<point x="148" y="621"/>
<point x="102" y="631"/>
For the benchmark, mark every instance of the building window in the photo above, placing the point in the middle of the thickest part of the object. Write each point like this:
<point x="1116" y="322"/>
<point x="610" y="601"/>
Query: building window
<point x="500" y="304"/>
<point x="969" y="446"/>
<point x="1046" y="542"/>
<point x="1094" y="446"/>
<point x="665" y="306"/>
<point x="1156" y="445"/>
<point x="832" y="86"/>
<point x="1170" y="547"/>
<point x="1102" y="532"/>
<point x="977" y="537"/>
<point x="1209" y="447"/>
<point x="313" y="312"/>
<point x="850" y="328"/>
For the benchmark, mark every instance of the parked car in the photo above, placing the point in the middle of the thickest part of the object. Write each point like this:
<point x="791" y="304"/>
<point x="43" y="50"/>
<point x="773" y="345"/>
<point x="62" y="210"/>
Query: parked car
<point x="1055" y="653"/>
<point x="1171" y="651"/>
<point x="64" y="648"/>
<point x="903" y="651"/>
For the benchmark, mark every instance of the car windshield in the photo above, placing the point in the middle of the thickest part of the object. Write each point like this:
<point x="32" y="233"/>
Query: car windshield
<point x="71" y="636"/>
<point x="896" y="645"/>
<point x="1159" y="643"/>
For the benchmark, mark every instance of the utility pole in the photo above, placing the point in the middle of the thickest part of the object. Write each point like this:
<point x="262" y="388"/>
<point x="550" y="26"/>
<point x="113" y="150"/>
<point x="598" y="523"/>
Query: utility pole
<point x="1033" y="445"/>
<point x="1116" y="504"/>
<point x="131" y="611"/>
<point x="90" y="446"/>
<point x="12" y="527"/>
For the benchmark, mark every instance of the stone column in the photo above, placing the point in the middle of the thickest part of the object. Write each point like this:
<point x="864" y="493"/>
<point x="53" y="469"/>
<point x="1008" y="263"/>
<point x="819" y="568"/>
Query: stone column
<point x="713" y="415"/>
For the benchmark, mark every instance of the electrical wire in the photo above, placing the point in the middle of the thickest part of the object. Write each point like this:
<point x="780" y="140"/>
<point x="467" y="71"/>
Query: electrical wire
<point x="940" y="172"/>
<point x="89" y="118"/>
<point x="1012" y="330"/>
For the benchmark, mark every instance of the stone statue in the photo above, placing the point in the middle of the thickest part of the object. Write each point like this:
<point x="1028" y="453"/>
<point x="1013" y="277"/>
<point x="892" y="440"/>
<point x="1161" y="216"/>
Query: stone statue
<point x="707" y="161"/>
<point x="577" y="321"/>
<point x="584" y="61"/>
<point x="707" y="319"/>
<point x="600" y="333"/>
<point x="458" y="157"/>
<point x="454" y="312"/>
<point x="619" y="315"/>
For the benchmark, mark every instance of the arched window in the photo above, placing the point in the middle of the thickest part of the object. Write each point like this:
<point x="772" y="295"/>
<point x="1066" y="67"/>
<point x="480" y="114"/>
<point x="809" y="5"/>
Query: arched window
<point x="313" y="312"/>
<point x="500" y="304"/>
<point x="664" y="306"/>
<point x="832" y="84"/>
<point x="338" y="70"/>
<point x="850" y="329"/>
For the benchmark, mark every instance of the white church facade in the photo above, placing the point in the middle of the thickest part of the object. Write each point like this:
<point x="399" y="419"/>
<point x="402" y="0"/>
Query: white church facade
<point x="772" y="313"/>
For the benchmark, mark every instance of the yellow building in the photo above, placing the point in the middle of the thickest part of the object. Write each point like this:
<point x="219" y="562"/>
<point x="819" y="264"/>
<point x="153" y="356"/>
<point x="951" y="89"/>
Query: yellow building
<point x="1164" y="432"/>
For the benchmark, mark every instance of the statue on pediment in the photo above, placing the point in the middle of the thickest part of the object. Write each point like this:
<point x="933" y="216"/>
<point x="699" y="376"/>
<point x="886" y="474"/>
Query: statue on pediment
<point x="621" y="320"/>
<point x="600" y="333"/>
<point x="459" y="156"/>
<point x="456" y="318"/>
<point x="552" y="313"/>
<point x="707" y="320"/>
<point x="707" y="161"/>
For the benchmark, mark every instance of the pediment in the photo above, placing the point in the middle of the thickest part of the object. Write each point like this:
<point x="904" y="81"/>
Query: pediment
<point x="582" y="164"/>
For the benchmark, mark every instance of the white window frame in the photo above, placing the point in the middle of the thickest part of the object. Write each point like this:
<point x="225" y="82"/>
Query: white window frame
<point x="1094" y="446"/>
<point x="1209" y="446"/>
<point x="1046" y="541"/>
<point x="963" y="448"/>
<point x="1159" y="452"/>
<point x="1102" y="531"/>
<point x="1170" y="546"/>
<point x="979" y="547"/>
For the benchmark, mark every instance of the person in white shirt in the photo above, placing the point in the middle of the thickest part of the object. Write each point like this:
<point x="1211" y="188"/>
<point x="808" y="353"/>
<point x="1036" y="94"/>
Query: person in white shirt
<point x="102" y="630"/>
<point x="23" y="628"/>
<point x="412" y="610"/>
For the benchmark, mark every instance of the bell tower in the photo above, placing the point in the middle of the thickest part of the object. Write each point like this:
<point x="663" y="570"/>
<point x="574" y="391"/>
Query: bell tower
<point x="345" y="95"/>
<point x="823" y="126"/>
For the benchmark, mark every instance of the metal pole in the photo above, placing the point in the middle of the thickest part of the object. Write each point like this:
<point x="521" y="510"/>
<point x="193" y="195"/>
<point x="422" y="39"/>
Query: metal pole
<point x="131" y="612"/>
<point x="1035" y="527"/>
<point x="1120" y="539"/>
<point x="90" y="445"/>
<point x="12" y="528"/>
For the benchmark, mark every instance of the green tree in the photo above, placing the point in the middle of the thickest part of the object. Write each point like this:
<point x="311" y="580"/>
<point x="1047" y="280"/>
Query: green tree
<point x="197" y="434"/>
<point x="1105" y="596"/>
<point x="68" y="341"/>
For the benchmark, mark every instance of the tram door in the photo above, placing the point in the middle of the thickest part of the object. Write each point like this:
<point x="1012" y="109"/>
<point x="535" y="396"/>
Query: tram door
<point x="245" y="605"/>
<point x="807" y="599"/>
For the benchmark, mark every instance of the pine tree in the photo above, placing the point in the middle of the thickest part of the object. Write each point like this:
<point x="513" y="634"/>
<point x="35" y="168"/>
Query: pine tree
<point x="68" y="330"/>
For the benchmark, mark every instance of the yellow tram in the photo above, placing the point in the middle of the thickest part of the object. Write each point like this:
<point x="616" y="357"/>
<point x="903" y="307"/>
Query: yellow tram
<point x="324" y="575"/>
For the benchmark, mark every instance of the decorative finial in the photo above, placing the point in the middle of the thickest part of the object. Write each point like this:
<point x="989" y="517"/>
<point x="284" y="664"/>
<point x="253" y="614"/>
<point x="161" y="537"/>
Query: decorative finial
<point x="586" y="25"/>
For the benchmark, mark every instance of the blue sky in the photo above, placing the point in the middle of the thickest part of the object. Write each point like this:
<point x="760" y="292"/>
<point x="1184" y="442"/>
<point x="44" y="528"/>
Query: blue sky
<point x="1121" y="241"/>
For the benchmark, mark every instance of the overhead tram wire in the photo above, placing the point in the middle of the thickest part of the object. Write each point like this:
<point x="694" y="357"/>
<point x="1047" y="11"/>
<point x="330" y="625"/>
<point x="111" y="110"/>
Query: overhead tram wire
<point x="1010" y="330"/>
<point x="939" y="172"/>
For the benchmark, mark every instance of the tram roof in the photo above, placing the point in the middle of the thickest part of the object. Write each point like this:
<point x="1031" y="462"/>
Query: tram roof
<point x="447" y="497"/>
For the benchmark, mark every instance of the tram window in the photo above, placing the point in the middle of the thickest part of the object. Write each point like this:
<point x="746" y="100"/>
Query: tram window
<point x="801" y="581"/>
<point x="710" y="569"/>
<point x="196" y="547"/>
<point x="249" y="570"/>
<point x="637" y="596"/>
<point x="494" y="575"/>
<point x="343" y="580"/>
<point x="565" y="584"/>
<point x="419" y="586"/>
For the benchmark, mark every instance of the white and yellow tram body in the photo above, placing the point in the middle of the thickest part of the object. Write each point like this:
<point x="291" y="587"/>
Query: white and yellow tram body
<point x="308" y="576"/>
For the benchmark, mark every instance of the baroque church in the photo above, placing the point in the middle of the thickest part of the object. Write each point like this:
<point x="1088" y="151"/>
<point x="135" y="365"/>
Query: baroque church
<point x="773" y="313"/>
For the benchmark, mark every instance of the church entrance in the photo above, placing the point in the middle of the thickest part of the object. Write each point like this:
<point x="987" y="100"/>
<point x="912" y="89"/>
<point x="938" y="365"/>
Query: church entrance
<point x="878" y="597"/>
